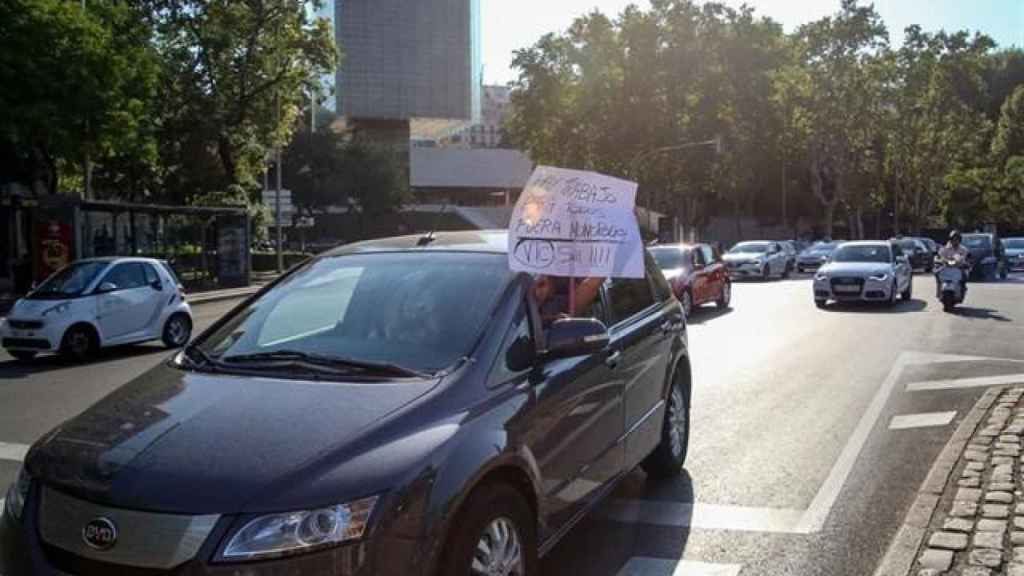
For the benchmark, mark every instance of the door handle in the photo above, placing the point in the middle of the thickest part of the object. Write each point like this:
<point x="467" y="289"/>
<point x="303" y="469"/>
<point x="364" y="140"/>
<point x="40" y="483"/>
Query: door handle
<point x="612" y="361"/>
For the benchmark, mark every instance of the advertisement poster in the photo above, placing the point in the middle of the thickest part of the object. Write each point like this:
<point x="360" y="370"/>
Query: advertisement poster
<point x="55" y="248"/>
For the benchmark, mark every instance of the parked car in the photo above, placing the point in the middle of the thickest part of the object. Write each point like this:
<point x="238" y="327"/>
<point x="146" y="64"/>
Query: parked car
<point x="871" y="271"/>
<point x="761" y="259"/>
<point x="696" y="274"/>
<point x="1014" y="248"/>
<point x="789" y="247"/>
<point x="932" y="245"/>
<point x="99" y="302"/>
<point x="390" y="408"/>
<point x="917" y="252"/>
<point x="815" y="256"/>
<point x="987" y="255"/>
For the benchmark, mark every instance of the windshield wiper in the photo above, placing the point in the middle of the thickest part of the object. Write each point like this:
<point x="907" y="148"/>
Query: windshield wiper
<point x="295" y="356"/>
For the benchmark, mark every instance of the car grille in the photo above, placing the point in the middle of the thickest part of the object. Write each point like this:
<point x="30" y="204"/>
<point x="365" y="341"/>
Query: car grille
<point x="145" y="540"/>
<point x="35" y="343"/>
<point x="847" y="287"/>
<point x="25" y="324"/>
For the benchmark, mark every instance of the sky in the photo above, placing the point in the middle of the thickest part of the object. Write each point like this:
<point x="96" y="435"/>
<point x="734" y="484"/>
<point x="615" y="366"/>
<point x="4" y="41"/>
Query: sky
<point x="512" y="24"/>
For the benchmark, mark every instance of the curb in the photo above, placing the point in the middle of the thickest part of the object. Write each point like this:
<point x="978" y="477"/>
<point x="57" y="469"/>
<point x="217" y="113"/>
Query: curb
<point x="899" y="558"/>
<point x="221" y="295"/>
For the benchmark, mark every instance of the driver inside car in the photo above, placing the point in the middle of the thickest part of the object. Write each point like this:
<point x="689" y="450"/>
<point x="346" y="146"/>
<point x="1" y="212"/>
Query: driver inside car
<point x="552" y="296"/>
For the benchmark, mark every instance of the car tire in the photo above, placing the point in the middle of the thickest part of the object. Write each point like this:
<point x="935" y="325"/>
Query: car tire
<point x="493" y="514"/>
<point x="1003" y="273"/>
<point x="725" y="298"/>
<point x="80" y="343"/>
<point x="766" y="273"/>
<point x="822" y="304"/>
<point x="909" y="292"/>
<point x="893" y="293"/>
<point x="22" y="355"/>
<point x="177" y="330"/>
<point x="668" y="458"/>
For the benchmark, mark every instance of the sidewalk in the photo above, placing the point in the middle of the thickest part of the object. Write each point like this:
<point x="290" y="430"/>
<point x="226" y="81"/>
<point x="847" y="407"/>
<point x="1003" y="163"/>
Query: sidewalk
<point x="968" y="519"/>
<point x="259" y="280"/>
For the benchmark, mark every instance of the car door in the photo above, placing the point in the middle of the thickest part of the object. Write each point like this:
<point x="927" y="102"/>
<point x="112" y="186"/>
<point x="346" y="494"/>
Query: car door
<point x="901" y="268"/>
<point x="699" y="278"/>
<point x="641" y="338"/>
<point x="715" y="272"/>
<point x="776" y="259"/>
<point x="576" y="430"/>
<point x="124" y="301"/>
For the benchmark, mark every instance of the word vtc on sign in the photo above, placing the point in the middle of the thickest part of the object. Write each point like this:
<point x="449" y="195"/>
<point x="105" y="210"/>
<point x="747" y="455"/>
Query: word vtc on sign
<point x="541" y="255"/>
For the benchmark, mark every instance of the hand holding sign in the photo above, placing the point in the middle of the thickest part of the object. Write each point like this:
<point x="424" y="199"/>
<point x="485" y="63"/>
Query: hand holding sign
<point x="572" y="223"/>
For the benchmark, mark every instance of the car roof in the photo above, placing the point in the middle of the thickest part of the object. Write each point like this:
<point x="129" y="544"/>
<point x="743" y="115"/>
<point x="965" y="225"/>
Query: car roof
<point x="677" y="246"/>
<point x="868" y="243"/>
<point x="117" y="259"/>
<point x="483" y="241"/>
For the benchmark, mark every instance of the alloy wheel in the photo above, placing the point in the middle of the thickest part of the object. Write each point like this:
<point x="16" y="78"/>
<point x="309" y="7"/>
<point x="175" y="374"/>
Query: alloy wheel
<point x="677" y="420"/>
<point x="177" y="331"/>
<point x="79" y="343"/>
<point x="499" y="551"/>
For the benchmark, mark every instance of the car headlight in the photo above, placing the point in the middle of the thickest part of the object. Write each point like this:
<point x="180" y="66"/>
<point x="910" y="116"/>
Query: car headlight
<point x="821" y="276"/>
<point x="17" y="494"/>
<point x="296" y="532"/>
<point x="58" y="309"/>
<point x="880" y="277"/>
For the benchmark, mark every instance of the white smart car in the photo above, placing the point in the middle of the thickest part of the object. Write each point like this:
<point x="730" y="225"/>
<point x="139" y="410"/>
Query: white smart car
<point x="99" y="302"/>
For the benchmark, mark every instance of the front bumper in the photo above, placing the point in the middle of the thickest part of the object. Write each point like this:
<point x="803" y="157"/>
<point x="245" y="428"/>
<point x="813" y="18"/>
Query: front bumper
<point x="853" y="289"/>
<point x="746" y="270"/>
<point x="809" y="265"/>
<point x="23" y="553"/>
<point x="35" y="334"/>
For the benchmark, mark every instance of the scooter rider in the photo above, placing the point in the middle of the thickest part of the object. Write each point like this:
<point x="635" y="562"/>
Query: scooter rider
<point x="955" y="252"/>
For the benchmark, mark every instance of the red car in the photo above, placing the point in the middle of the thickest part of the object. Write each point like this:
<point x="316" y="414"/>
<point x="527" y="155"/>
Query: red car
<point x="696" y="273"/>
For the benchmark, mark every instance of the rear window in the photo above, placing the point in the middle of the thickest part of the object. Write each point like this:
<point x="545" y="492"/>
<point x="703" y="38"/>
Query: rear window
<point x="977" y="241"/>
<point x="670" y="258"/>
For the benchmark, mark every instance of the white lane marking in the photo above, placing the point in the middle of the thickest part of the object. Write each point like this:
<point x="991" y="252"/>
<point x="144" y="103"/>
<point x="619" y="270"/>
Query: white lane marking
<point x="979" y="382"/>
<point x="639" y="566"/>
<point x="705" y="516"/>
<point x="816" y="514"/>
<point x="14" y="452"/>
<point x="924" y="420"/>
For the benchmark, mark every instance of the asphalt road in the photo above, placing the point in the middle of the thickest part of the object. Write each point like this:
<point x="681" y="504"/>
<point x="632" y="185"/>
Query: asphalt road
<point x="793" y="468"/>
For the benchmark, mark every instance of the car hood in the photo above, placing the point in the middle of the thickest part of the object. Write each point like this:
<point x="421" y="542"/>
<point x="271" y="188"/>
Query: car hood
<point x="197" y="443"/>
<point x="742" y="257"/>
<point x="857" y="269"/>
<point x="817" y="256"/>
<point x="27" y="309"/>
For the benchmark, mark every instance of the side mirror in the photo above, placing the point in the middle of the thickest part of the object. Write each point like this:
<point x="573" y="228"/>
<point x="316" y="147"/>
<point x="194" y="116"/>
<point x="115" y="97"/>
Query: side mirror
<point x="522" y="355"/>
<point x="574" y="337"/>
<point x="107" y="287"/>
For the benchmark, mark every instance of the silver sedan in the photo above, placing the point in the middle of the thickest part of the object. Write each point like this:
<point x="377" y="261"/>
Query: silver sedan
<point x="864" y="271"/>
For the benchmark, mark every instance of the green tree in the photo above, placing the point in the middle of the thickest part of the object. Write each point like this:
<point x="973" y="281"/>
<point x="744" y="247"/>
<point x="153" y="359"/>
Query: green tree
<point x="77" y="85"/>
<point x="1009" y="138"/>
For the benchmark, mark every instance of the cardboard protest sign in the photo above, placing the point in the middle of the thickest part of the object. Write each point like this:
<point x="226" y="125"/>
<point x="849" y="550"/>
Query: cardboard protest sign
<point x="576" y="224"/>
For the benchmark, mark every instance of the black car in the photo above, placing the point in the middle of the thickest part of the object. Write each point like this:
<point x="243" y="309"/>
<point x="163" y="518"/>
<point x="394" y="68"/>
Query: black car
<point x="917" y="251"/>
<point x="388" y="408"/>
<point x="988" y="256"/>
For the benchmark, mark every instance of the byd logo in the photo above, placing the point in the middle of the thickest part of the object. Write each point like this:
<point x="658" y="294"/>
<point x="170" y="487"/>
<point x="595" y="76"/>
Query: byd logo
<point x="100" y="534"/>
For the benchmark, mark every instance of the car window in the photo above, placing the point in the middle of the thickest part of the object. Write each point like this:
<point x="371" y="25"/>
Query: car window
<point x="897" y="251"/>
<point x="151" y="275"/>
<point x="628" y="297"/>
<point x="709" y="256"/>
<point x="519" y="333"/>
<point x="127" y="275"/>
<point x="698" y="257"/>
<point x="662" y="291"/>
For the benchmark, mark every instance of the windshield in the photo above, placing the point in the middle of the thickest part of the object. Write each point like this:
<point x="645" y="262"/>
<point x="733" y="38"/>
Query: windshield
<point x="416" y="311"/>
<point x="670" y="258"/>
<point x="1014" y="243"/>
<point x="750" y="248"/>
<point x="822" y="248"/>
<point x="909" y="245"/>
<point x="977" y="241"/>
<point x="862" y="253"/>
<point x="70" y="281"/>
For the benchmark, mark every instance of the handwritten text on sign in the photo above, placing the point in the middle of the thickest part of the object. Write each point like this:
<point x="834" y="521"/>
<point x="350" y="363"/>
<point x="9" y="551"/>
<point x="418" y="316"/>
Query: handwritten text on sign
<point x="573" y="223"/>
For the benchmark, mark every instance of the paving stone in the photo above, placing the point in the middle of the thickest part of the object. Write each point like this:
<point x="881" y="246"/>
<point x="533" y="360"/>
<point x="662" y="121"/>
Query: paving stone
<point x="1006" y="452"/>
<point x="1002" y="486"/>
<point x="974" y="466"/>
<point x="993" y="540"/>
<point x="1003" y="461"/>
<point x="951" y="541"/>
<point x="976" y="571"/>
<point x="1001" y="478"/>
<point x="1017" y="538"/>
<point x="1014" y="429"/>
<point x="1018" y="555"/>
<point x="1010" y="438"/>
<point x="1018" y="522"/>
<point x="989" y="525"/>
<point x="978" y="447"/>
<point x="964" y="509"/>
<point x="969" y="482"/>
<point x="958" y="525"/>
<point x="936" y="559"/>
<point x="968" y="494"/>
<point x="995" y="510"/>
<point x="1002" y="469"/>
<point x="1019" y="509"/>
<point x="974" y="455"/>
<point x="983" y="440"/>
<point x="986" y="557"/>
<point x="930" y="572"/>
<point x="970" y="474"/>
<point x="1015" y="570"/>
<point x="991" y="431"/>
<point x="999" y="497"/>
<point x="1006" y="446"/>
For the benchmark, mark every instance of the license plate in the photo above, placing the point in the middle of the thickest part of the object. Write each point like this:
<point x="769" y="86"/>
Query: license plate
<point x="847" y="288"/>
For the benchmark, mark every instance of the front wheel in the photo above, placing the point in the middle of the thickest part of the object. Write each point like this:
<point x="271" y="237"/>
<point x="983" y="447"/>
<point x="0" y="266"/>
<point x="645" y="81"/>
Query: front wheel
<point x="22" y="355"/>
<point x="1003" y="273"/>
<point x="725" y="298"/>
<point x="668" y="458"/>
<point x="766" y="273"/>
<point x="909" y="292"/>
<point x="79" y="344"/>
<point x="820" y="303"/>
<point x="495" y="535"/>
<point x="948" y="301"/>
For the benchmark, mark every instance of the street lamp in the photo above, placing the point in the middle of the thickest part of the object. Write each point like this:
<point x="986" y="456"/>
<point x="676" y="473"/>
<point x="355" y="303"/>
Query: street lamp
<point x="716" y="142"/>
